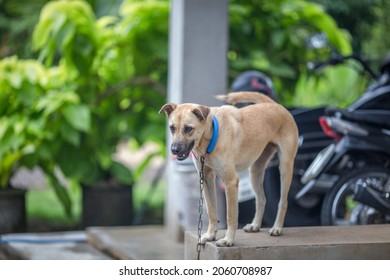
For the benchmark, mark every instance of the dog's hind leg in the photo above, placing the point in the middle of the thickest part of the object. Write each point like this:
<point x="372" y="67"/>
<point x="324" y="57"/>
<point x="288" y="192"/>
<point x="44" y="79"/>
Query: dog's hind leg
<point x="257" y="171"/>
<point x="286" y="168"/>
<point x="211" y="203"/>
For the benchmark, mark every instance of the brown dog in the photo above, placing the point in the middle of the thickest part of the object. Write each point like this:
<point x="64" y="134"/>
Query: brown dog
<point x="247" y="138"/>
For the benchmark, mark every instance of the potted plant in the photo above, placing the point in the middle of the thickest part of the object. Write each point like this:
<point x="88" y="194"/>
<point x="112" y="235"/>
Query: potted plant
<point x="12" y="201"/>
<point x="117" y="89"/>
<point x="27" y="122"/>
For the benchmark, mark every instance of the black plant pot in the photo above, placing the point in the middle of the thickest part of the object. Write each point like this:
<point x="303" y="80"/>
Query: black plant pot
<point x="107" y="205"/>
<point x="12" y="210"/>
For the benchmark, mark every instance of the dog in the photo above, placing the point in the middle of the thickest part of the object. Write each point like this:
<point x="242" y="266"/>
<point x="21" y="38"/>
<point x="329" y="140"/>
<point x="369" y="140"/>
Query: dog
<point x="248" y="137"/>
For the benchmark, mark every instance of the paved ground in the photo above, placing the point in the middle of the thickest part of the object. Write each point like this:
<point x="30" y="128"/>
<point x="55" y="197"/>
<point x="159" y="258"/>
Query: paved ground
<point x="49" y="246"/>
<point x="141" y="243"/>
<point x="152" y="243"/>
<point x="144" y="243"/>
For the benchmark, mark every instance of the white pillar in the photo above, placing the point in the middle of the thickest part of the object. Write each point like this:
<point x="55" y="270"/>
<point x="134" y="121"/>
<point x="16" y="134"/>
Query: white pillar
<point x="198" y="45"/>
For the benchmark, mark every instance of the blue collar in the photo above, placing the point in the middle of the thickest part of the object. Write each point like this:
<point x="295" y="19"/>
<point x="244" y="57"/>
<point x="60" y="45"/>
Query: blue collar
<point x="214" y="139"/>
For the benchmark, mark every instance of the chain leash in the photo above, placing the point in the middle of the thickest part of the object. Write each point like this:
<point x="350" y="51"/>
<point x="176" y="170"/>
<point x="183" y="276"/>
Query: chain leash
<point x="200" y="223"/>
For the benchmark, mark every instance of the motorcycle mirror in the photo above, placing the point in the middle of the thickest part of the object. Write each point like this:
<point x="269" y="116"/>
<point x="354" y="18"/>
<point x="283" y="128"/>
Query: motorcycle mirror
<point x="317" y="41"/>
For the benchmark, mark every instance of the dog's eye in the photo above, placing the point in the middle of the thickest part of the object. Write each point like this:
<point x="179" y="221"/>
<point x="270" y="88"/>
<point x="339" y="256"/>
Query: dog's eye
<point x="187" y="129"/>
<point x="172" y="128"/>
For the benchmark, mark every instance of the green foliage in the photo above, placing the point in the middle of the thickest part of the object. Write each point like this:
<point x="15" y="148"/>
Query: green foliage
<point x="377" y="44"/>
<point x="68" y="27"/>
<point x="34" y="111"/>
<point x="98" y="82"/>
<point x="366" y="21"/>
<point x="270" y="36"/>
<point x="20" y="124"/>
<point x="338" y="86"/>
<point x="116" y="71"/>
<point x="358" y="17"/>
<point x="17" y="18"/>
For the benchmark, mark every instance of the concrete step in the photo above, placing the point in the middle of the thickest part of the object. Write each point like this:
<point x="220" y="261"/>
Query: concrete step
<point x="303" y="243"/>
<point x="49" y="246"/>
<point x="139" y="243"/>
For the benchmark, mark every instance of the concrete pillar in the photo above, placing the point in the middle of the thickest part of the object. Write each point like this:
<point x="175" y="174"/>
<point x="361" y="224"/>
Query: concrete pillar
<point x="197" y="71"/>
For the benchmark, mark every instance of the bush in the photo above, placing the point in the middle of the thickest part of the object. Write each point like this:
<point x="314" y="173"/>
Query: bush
<point x="101" y="81"/>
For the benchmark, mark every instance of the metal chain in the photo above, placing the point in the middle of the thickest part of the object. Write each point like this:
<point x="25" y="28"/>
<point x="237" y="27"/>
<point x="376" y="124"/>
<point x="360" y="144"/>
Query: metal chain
<point x="200" y="223"/>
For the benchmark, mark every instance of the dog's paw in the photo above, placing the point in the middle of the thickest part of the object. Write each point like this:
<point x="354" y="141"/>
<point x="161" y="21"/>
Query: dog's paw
<point x="224" y="242"/>
<point x="252" y="228"/>
<point x="206" y="237"/>
<point x="275" y="231"/>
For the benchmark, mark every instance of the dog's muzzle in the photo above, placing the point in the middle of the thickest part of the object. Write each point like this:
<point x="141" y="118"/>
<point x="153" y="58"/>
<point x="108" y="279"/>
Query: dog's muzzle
<point x="181" y="151"/>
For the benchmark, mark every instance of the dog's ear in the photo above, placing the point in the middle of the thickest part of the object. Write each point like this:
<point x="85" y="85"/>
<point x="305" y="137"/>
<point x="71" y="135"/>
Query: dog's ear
<point x="201" y="112"/>
<point x="168" y="108"/>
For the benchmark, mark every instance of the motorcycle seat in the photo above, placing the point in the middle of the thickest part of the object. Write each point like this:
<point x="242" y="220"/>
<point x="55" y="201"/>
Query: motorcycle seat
<point x="368" y="116"/>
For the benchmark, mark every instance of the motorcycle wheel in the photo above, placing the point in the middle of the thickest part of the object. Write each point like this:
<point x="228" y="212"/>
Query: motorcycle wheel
<point x="340" y="208"/>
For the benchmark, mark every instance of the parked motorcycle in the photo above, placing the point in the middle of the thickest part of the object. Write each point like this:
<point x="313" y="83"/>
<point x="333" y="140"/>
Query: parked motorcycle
<point x="353" y="172"/>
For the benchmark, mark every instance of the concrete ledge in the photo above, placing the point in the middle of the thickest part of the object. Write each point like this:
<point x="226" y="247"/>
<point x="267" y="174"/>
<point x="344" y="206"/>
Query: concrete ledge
<point x="138" y="243"/>
<point x="303" y="243"/>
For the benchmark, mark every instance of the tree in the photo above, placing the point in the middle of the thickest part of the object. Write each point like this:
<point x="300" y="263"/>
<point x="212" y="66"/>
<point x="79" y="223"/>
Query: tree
<point x="367" y="22"/>
<point x="377" y="44"/>
<point x="270" y="36"/>
<point x="18" y="18"/>
<point x="103" y="82"/>
<point x="117" y="67"/>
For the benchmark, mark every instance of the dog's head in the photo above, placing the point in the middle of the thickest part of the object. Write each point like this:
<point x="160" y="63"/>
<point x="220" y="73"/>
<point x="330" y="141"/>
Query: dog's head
<point x="187" y="123"/>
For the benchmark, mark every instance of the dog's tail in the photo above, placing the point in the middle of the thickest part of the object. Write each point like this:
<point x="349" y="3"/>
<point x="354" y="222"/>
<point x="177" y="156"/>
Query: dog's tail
<point x="244" y="97"/>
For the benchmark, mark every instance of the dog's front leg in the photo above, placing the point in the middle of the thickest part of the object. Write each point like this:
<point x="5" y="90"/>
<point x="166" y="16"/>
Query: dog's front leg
<point x="210" y="195"/>
<point x="231" y="189"/>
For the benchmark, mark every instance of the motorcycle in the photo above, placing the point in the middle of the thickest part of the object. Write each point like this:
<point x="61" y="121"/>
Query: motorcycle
<point x="352" y="173"/>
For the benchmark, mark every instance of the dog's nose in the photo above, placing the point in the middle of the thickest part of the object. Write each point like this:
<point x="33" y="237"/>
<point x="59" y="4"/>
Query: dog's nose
<point x="175" y="149"/>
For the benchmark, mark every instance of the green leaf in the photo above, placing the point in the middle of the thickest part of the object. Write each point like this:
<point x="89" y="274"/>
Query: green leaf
<point x="283" y="70"/>
<point x="121" y="173"/>
<point x="78" y="116"/>
<point x="6" y="164"/>
<point x="32" y="71"/>
<point x="104" y="158"/>
<point x="41" y="34"/>
<point x="70" y="135"/>
<point x="4" y="125"/>
<point x="62" y="194"/>
<point x="16" y="80"/>
<point x="105" y="21"/>
<point x="66" y="34"/>
<point x="79" y="164"/>
<point x="278" y="38"/>
<point x="11" y="142"/>
<point x="51" y="102"/>
<point x="36" y="127"/>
